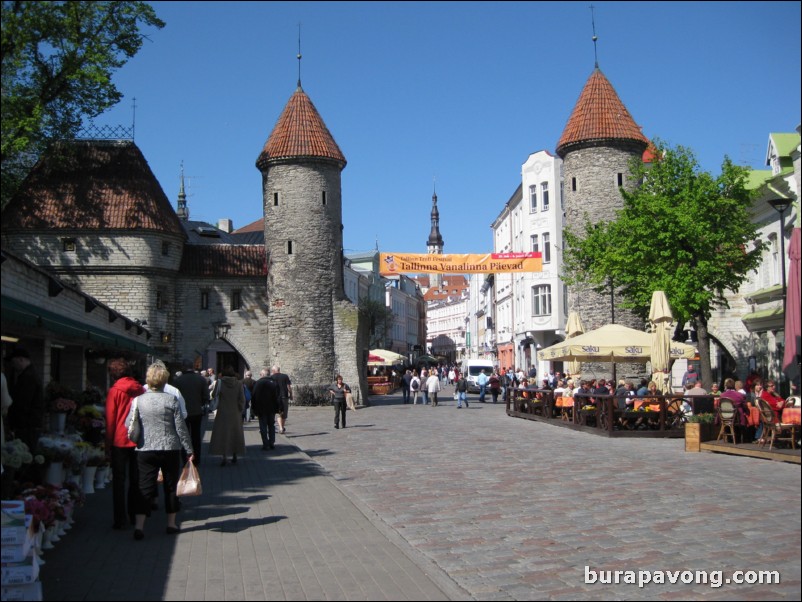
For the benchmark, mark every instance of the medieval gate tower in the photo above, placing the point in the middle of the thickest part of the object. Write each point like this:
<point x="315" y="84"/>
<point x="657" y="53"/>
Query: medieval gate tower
<point x="301" y="165"/>
<point x="597" y="145"/>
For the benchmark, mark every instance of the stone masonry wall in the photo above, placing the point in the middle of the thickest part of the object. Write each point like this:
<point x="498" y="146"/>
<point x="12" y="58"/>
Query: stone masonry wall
<point x="350" y="339"/>
<point x="303" y="281"/>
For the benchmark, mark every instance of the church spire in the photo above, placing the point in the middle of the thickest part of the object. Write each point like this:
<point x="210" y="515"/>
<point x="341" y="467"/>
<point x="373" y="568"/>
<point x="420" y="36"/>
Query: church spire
<point x="435" y="242"/>
<point x="183" y="210"/>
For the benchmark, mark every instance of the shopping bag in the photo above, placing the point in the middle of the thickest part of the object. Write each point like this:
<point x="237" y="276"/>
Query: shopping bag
<point x="189" y="483"/>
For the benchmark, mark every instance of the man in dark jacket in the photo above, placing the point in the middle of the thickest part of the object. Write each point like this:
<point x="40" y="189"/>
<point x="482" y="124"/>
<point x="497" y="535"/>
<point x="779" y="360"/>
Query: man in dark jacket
<point x="27" y="413"/>
<point x="195" y="390"/>
<point x="265" y="403"/>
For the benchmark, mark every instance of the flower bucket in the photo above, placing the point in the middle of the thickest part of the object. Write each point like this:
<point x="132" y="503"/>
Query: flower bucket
<point x="58" y="422"/>
<point x="55" y="474"/>
<point x="101" y="477"/>
<point x="88" y="479"/>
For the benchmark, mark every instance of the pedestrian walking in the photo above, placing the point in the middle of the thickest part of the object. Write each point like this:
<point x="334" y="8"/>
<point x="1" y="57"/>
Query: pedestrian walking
<point x="432" y="387"/>
<point x="337" y="392"/>
<point x="265" y="404"/>
<point x="227" y="436"/>
<point x="462" y="391"/>
<point x="285" y="395"/>
<point x="414" y="387"/>
<point x="195" y="391"/>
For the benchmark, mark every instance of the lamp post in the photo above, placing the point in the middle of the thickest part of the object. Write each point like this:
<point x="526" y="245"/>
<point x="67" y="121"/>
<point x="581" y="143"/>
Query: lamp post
<point x="780" y="205"/>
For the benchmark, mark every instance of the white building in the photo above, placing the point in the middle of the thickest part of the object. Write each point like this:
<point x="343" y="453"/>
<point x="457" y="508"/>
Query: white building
<point x="530" y="307"/>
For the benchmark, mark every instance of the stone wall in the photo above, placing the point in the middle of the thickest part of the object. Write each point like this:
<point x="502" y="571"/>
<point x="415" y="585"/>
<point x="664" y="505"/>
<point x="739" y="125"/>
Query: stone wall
<point x="350" y="342"/>
<point x="303" y="236"/>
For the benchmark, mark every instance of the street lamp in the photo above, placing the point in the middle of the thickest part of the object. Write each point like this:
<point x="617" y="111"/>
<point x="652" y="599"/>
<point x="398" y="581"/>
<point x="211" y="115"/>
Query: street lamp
<point x="780" y="205"/>
<point x="221" y="330"/>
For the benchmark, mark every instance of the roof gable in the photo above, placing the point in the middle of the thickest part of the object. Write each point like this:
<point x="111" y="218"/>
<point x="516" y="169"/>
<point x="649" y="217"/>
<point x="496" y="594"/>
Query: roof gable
<point x="92" y="185"/>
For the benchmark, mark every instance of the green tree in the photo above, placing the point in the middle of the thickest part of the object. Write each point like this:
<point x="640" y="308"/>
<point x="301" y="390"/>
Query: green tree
<point x="681" y="231"/>
<point x="380" y="319"/>
<point x="57" y="63"/>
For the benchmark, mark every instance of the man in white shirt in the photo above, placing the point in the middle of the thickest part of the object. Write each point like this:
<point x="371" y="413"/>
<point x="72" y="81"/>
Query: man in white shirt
<point x="432" y="387"/>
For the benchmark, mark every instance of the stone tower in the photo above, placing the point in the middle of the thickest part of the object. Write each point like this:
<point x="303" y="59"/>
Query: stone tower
<point x="597" y="145"/>
<point x="434" y="245"/>
<point x="301" y="165"/>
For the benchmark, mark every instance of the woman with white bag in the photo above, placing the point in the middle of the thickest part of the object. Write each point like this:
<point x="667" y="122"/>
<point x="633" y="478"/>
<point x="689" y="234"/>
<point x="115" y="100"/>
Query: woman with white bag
<point x="163" y="434"/>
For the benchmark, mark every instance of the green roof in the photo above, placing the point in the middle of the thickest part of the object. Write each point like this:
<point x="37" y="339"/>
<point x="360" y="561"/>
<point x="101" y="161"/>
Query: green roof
<point x="756" y="178"/>
<point x="766" y="313"/>
<point x="785" y="143"/>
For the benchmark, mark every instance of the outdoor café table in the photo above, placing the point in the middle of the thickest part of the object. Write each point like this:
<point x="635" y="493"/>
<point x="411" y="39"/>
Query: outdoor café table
<point x="566" y="405"/>
<point x="791" y="415"/>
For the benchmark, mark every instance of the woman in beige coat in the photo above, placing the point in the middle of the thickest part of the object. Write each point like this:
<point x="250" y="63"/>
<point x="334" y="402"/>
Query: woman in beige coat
<point x="227" y="436"/>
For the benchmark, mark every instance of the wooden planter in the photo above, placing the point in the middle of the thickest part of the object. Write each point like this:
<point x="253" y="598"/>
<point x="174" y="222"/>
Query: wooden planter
<point x="697" y="433"/>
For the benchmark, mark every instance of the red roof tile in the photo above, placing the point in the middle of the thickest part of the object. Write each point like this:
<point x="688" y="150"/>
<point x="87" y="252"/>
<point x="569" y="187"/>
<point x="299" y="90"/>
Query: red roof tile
<point x="599" y="115"/>
<point x="300" y="133"/>
<point x="257" y="226"/>
<point x="224" y="260"/>
<point x="92" y="184"/>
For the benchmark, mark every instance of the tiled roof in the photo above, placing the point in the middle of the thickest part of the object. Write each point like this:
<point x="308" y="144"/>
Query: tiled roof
<point x="224" y="260"/>
<point x="300" y="133"/>
<point x="92" y="184"/>
<point x="599" y="115"/>
<point x="257" y="226"/>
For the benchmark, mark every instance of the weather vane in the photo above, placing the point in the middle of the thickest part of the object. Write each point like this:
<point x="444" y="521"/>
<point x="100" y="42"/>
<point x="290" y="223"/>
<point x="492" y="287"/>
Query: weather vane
<point x="299" y="55"/>
<point x="595" y="37"/>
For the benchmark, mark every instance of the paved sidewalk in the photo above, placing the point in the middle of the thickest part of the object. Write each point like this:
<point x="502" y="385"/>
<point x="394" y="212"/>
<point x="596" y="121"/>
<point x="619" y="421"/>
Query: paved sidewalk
<point x="446" y="503"/>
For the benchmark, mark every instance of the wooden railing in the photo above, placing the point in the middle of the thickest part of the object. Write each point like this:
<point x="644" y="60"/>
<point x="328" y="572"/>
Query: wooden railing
<point x="660" y="416"/>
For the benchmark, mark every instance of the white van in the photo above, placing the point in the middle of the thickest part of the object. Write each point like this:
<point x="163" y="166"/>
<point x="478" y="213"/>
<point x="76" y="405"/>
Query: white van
<point x="471" y="369"/>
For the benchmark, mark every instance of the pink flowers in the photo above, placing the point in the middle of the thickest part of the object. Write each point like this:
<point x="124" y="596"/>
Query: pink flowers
<point x="62" y="405"/>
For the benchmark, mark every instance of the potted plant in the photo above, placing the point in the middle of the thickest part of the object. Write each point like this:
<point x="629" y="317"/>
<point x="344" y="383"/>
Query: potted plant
<point x="698" y="429"/>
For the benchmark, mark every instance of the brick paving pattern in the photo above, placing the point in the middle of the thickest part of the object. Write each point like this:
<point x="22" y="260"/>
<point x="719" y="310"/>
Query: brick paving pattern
<point x="421" y="503"/>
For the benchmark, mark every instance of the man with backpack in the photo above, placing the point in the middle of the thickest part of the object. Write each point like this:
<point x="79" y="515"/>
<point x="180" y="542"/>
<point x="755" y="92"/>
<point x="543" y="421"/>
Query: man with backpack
<point x="406" y="385"/>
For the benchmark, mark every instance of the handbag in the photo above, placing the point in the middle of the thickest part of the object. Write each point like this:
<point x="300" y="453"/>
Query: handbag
<point x="134" y="424"/>
<point x="189" y="482"/>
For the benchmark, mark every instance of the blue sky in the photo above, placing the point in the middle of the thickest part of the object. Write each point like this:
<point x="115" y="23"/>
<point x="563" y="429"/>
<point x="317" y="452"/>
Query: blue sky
<point x="462" y="92"/>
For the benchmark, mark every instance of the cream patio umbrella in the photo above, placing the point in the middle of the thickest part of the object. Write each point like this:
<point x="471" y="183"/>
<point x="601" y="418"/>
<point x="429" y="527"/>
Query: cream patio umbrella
<point x="660" y="319"/>
<point x="574" y="327"/>
<point x="611" y="343"/>
<point x="391" y="357"/>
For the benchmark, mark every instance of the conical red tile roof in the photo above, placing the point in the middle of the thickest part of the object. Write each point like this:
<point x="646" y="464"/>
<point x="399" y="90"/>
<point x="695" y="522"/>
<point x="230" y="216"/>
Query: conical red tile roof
<point x="599" y="115"/>
<point x="300" y="133"/>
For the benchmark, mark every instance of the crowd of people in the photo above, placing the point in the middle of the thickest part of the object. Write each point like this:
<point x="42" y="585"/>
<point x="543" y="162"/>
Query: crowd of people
<point x="172" y="424"/>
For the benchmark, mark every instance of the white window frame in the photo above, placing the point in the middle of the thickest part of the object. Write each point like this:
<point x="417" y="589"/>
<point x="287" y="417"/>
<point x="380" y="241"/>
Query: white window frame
<point x="544" y="196"/>
<point x="541" y="300"/>
<point x="533" y="199"/>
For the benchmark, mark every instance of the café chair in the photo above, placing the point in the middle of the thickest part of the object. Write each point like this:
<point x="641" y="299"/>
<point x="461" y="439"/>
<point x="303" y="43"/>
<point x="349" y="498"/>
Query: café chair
<point x="792" y="402"/>
<point x="773" y="430"/>
<point x="727" y="416"/>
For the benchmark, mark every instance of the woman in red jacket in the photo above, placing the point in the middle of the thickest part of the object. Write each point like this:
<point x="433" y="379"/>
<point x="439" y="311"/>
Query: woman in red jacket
<point x="121" y="451"/>
<point x="774" y="399"/>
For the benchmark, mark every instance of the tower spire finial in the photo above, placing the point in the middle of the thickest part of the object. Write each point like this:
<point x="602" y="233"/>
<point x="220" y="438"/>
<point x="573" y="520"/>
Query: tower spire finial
<point x="595" y="37"/>
<point x="299" y="56"/>
<point x="183" y="210"/>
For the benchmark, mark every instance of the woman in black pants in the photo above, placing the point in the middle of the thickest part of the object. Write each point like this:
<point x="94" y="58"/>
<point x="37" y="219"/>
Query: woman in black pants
<point x="338" y="391"/>
<point x="164" y="433"/>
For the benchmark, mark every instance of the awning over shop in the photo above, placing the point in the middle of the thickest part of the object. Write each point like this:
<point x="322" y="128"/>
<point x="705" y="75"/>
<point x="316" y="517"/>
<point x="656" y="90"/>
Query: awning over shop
<point x="766" y="319"/>
<point x="28" y="315"/>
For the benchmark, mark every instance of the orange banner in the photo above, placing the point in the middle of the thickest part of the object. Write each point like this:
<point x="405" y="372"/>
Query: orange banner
<point x="420" y="263"/>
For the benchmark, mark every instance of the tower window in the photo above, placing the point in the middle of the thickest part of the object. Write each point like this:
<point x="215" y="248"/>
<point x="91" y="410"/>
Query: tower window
<point x="289" y="247"/>
<point x="236" y="300"/>
<point x="620" y="179"/>
<point x="573" y="184"/>
<point x="159" y="300"/>
<point x="324" y="197"/>
<point x="275" y="199"/>
<point x="68" y="244"/>
<point x="165" y="248"/>
<point x="204" y="300"/>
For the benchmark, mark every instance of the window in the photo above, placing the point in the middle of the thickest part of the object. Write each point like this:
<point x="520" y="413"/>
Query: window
<point x="165" y="248"/>
<point x="204" y="300"/>
<point x="573" y="184"/>
<point x="532" y="199"/>
<point x="289" y="247"/>
<point x="620" y="179"/>
<point x="275" y="199"/>
<point x="541" y="300"/>
<point x="68" y="244"/>
<point x="159" y="300"/>
<point x="236" y="300"/>
<point x="546" y="247"/>
<point x="324" y="197"/>
<point x="544" y="193"/>
<point x="535" y="245"/>
<point x="562" y="196"/>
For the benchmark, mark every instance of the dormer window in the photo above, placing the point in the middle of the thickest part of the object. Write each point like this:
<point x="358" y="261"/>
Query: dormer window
<point x="68" y="245"/>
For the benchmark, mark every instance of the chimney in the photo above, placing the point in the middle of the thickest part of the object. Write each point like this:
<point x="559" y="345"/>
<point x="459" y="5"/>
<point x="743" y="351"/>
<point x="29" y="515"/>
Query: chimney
<point x="226" y="225"/>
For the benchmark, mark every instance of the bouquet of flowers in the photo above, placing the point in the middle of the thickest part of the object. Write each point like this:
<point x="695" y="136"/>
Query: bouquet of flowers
<point x="15" y="454"/>
<point x="95" y="456"/>
<point x="39" y="509"/>
<point x="60" y="398"/>
<point x="55" y="449"/>
<point x="90" y="424"/>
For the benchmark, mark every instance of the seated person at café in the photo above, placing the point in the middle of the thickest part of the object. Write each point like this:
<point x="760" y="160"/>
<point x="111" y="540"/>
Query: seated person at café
<point x="770" y="395"/>
<point x="738" y="400"/>
<point x="625" y="395"/>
